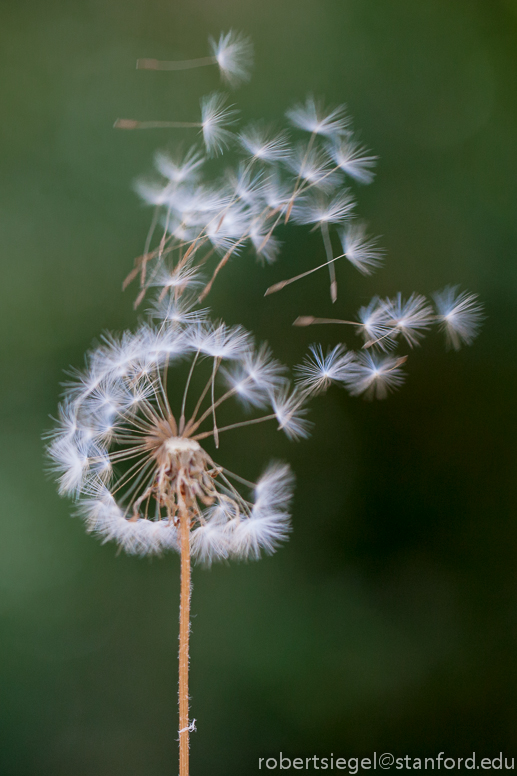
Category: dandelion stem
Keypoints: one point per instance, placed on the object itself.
(184, 726)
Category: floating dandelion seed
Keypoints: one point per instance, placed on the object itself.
(182, 169)
(313, 117)
(233, 53)
(459, 315)
(216, 116)
(310, 164)
(264, 144)
(319, 371)
(374, 376)
(360, 250)
(410, 319)
(352, 158)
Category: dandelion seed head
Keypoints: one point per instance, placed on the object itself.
(119, 450)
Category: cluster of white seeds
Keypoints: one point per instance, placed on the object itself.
(131, 460)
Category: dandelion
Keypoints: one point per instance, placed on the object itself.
(138, 469)
(132, 438)
(459, 316)
(233, 53)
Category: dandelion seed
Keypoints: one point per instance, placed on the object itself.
(373, 376)
(411, 319)
(360, 250)
(353, 159)
(310, 165)
(266, 246)
(215, 118)
(276, 193)
(176, 278)
(313, 117)
(179, 311)
(234, 55)
(375, 325)
(290, 412)
(183, 169)
(256, 377)
(318, 371)
(314, 208)
(459, 316)
(219, 341)
(245, 185)
(263, 144)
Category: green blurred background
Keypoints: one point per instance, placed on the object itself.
(389, 621)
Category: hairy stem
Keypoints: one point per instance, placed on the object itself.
(184, 516)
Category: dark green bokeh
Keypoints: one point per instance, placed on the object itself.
(389, 621)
